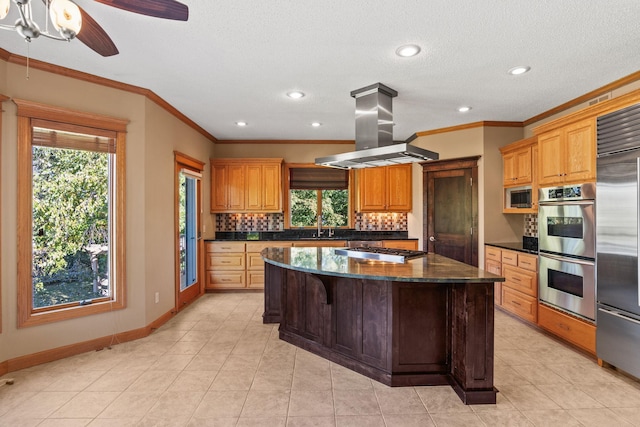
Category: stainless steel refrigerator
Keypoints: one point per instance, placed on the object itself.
(618, 239)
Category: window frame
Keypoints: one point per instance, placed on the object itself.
(2, 99)
(29, 112)
(287, 191)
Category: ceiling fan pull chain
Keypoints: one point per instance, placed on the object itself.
(28, 54)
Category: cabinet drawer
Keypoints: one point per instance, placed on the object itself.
(224, 247)
(493, 253)
(255, 279)
(492, 266)
(521, 305)
(230, 261)
(411, 245)
(521, 280)
(225, 279)
(510, 258)
(321, 243)
(576, 331)
(528, 262)
(259, 246)
(254, 261)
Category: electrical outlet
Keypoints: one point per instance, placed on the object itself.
(157, 297)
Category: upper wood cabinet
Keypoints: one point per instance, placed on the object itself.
(568, 154)
(246, 185)
(227, 187)
(264, 183)
(517, 167)
(385, 189)
(519, 161)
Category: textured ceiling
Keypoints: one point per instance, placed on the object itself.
(236, 60)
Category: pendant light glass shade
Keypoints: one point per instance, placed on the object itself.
(4, 8)
(66, 17)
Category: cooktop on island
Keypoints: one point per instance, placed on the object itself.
(381, 254)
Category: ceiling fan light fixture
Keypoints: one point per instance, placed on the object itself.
(4, 8)
(66, 18)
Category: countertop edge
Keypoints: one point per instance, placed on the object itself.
(489, 277)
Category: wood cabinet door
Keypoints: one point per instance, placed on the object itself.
(509, 169)
(271, 192)
(398, 187)
(580, 151)
(219, 188)
(523, 166)
(236, 185)
(253, 193)
(550, 154)
(372, 189)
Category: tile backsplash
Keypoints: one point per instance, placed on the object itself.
(275, 222)
(250, 222)
(531, 225)
(381, 221)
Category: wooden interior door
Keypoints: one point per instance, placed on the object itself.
(451, 209)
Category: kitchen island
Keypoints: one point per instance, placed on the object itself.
(428, 321)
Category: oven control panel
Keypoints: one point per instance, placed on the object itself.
(568, 192)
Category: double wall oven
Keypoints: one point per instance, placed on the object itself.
(566, 227)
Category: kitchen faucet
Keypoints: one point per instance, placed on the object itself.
(320, 226)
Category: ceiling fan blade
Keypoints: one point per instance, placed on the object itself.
(167, 9)
(94, 37)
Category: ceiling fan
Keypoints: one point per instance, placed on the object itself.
(68, 18)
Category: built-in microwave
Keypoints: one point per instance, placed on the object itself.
(517, 197)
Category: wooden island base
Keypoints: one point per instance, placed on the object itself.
(400, 333)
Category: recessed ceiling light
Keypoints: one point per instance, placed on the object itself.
(408, 50)
(521, 69)
(241, 123)
(296, 94)
(463, 109)
(316, 124)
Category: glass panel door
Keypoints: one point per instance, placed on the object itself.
(188, 222)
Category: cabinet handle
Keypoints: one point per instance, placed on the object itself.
(516, 303)
(225, 262)
(563, 326)
(516, 279)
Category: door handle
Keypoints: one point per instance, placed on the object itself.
(432, 239)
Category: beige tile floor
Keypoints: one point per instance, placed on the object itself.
(216, 364)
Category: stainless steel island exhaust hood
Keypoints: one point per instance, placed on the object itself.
(374, 134)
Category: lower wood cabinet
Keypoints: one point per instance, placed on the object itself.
(239, 265)
(518, 294)
(225, 265)
(567, 327)
(411, 245)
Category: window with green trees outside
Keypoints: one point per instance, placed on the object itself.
(318, 191)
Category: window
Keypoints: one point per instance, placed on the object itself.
(318, 191)
(71, 214)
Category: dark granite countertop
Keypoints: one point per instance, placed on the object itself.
(309, 234)
(514, 246)
(430, 268)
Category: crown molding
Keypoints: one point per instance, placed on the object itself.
(470, 126)
(285, 141)
(79, 75)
